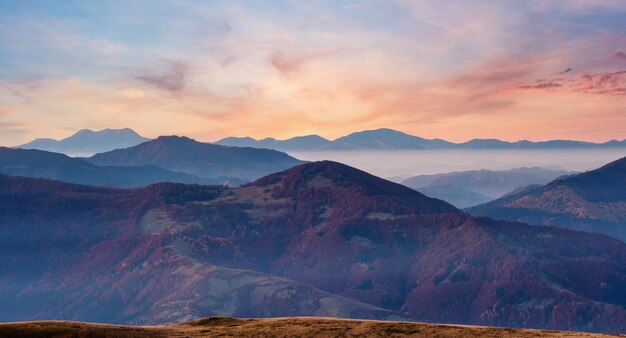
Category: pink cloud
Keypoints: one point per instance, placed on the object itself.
(601, 83)
(610, 83)
(541, 85)
(288, 63)
(620, 55)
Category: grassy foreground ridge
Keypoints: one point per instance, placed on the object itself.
(274, 327)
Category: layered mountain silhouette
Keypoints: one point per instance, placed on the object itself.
(205, 160)
(295, 143)
(318, 239)
(87, 142)
(469, 188)
(591, 201)
(43, 164)
(386, 139)
(389, 139)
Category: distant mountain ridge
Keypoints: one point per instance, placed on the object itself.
(86, 142)
(295, 143)
(165, 159)
(206, 160)
(469, 188)
(389, 139)
(591, 201)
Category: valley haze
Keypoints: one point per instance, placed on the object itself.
(386, 152)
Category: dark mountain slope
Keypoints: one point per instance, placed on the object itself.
(43, 164)
(87, 141)
(77, 252)
(604, 184)
(592, 201)
(201, 159)
(312, 236)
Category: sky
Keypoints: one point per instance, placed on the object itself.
(457, 70)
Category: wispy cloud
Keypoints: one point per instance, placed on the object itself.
(288, 63)
(171, 79)
(12, 91)
(541, 85)
(611, 83)
(601, 83)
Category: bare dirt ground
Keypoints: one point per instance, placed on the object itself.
(274, 327)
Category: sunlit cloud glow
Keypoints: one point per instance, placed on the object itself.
(455, 70)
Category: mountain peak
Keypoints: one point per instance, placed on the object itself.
(385, 138)
(380, 132)
(311, 170)
(316, 177)
(87, 142)
(83, 131)
(175, 138)
(207, 160)
(107, 131)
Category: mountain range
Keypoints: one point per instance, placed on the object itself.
(389, 139)
(86, 142)
(591, 201)
(320, 239)
(165, 159)
(469, 188)
(44, 164)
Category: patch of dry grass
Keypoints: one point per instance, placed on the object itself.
(64, 329)
(273, 327)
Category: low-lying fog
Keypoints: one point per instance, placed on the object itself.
(400, 164)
